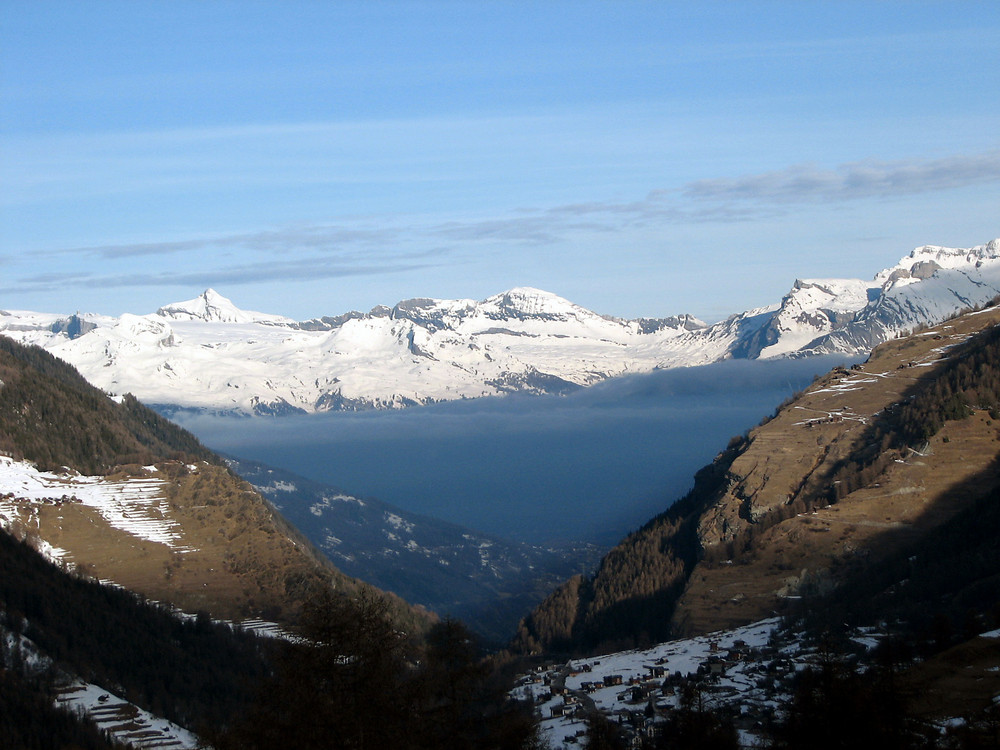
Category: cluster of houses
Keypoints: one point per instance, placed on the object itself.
(744, 681)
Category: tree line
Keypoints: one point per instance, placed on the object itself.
(51, 415)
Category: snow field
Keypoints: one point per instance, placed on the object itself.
(125, 721)
(136, 506)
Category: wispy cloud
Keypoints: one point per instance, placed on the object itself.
(311, 268)
(531, 229)
(297, 239)
(396, 244)
(807, 183)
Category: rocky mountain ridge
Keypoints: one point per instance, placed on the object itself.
(207, 354)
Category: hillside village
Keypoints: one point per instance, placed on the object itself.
(744, 673)
(746, 676)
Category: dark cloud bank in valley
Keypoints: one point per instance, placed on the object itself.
(586, 467)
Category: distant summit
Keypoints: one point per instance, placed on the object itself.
(207, 354)
(212, 307)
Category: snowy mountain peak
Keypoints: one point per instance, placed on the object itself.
(206, 353)
(212, 307)
(525, 302)
(923, 261)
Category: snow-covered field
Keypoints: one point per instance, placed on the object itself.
(136, 506)
(741, 671)
(124, 721)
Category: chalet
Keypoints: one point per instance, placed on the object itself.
(657, 671)
(713, 666)
(635, 694)
(612, 679)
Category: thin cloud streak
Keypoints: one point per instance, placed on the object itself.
(806, 183)
(282, 241)
(399, 243)
(256, 273)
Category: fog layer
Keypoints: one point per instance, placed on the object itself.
(586, 467)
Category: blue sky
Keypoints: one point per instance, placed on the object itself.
(640, 159)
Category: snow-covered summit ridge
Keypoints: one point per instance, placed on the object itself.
(924, 261)
(526, 302)
(212, 307)
(208, 354)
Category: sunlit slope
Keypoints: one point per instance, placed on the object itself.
(118, 492)
(862, 462)
(844, 476)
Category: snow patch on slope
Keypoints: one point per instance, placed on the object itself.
(136, 506)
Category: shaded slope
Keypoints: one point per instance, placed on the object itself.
(944, 584)
(30, 721)
(51, 415)
(192, 672)
(631, 598)
(485, 581)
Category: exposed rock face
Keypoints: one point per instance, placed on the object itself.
(74, 326)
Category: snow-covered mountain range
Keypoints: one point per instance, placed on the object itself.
(207, 354)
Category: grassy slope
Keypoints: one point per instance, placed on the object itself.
(248, 561)
(757, 526)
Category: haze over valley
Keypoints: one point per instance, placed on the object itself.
(587, 467)
(499, 376)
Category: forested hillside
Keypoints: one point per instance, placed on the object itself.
(194, 672)
(193, 534)
(370, 669)
(50, 415)
(236, 689)
(863, 464)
